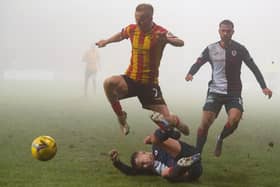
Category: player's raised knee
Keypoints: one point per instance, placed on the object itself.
(110, 82)
(234, 121)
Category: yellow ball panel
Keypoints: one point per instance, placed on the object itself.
(43, 148)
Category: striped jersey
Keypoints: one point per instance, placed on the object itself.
(226, 67)
(146, 53)
(162, 160)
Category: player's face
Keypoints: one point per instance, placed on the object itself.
(226, 31)
(143, 20)
(144, 160)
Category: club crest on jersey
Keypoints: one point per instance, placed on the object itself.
(155, 152)
(234, 52)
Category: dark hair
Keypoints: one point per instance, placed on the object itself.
(133, 160)
(136, 170)
(226, 22)
(147, 8)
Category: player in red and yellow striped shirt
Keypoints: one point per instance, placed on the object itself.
(148, 41)
(146, 53)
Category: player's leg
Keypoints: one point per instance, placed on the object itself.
(161, 138)
(234, 109)
(168, 121)
(234, 116)
(185, 155)
(115, 88)
(207, 120)
(86, 79)
(173, 147)
(151, 98)
(211, 110)
(94, 75)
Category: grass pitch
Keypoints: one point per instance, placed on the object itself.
(85, 130)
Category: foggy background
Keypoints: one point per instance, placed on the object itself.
(46, 39)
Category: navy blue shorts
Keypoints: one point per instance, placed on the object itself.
(215, 101)
(195, 171)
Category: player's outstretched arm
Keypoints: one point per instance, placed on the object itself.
(114, 155)
(124, 168)
(127, 170)
(167, 37)
(204, 57)
(174, 40)
(115, 38)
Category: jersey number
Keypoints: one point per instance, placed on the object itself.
(155, 91)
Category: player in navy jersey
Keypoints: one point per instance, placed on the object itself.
(170, 158)
(225, 57)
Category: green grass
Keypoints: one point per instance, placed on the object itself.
(86, 130)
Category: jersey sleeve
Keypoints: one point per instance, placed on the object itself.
(253, 67)
(128, 170)
(204, 57)
(162, 29)
(126, 31)
(124, 168)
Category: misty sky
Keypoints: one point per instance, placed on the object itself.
(54, 34)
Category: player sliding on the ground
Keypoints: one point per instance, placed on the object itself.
(170, 158)
(148, 41)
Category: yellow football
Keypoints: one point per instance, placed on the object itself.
(43, 148)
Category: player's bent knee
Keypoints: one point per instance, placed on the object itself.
(206, 123)
(106, 83)
(155, 140)
(110, 82)
(234, 121)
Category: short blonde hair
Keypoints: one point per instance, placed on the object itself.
(147, 8)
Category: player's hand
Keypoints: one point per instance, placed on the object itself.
(114, 155)
(101, 43)
(166, 172)
(267, 92)
(147, 140)
(189, 77)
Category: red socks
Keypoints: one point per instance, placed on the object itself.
(201, 132)
(117, 108)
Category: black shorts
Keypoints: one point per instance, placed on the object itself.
(215, 101)
(148, 94)
(186, 150)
